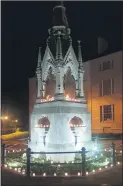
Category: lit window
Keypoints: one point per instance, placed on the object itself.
(106, 113)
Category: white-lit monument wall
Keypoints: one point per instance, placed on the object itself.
(59, 123)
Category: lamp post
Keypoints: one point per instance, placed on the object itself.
(16, 121)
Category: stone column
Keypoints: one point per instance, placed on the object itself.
(59, 83)
(80, 71)
(43, 89)
(77, 88)
(39, 91)
(81, 88)
(39, 75)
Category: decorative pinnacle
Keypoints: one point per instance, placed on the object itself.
(39, 61)
(59, 33)
(80, 54)
(79, 42)
(39, 56)
(47, 42)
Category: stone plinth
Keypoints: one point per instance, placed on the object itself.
(60, 137)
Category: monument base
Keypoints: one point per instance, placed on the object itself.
(59, 97)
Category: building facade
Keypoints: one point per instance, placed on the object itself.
(103, 89)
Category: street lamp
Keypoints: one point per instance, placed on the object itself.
(6, 117)
(16, 121)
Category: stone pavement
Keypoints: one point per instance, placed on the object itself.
(113, 177)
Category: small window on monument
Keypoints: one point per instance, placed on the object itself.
(44, 122)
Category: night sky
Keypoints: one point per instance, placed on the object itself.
(25, 28)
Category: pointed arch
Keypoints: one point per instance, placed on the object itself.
(71, 61)
(43, 122)
(50, 83)
(69, 84)
(76, 122)
(47, 63)
(47, 56)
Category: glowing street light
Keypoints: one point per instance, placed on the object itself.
(6, 117)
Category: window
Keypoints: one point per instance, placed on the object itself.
(106, 87)
(106, 113)
(106, 65)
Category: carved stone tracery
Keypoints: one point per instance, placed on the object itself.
(46, 70)
(72, 67)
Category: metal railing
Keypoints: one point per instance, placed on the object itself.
(80, 166)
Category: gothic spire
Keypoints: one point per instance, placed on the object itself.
(59, 18)
(59, 57)
(80, 55)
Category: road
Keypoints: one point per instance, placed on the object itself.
(16, 144)
(112, 177)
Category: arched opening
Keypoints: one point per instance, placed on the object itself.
(44, 122)
(69, 84)
(75, 122)
(50, 84)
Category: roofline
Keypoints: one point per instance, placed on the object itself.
(101, 57)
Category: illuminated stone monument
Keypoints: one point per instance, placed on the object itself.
(59, 123)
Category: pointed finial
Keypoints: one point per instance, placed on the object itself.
(79, 42)
(47, 42)
(59, 33)
(70, 40)
(59, 3)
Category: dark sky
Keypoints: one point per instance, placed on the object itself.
(25, 27)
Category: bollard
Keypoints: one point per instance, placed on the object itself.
(28, 154)
(83, 161)
(3, 154)
(113, 154)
